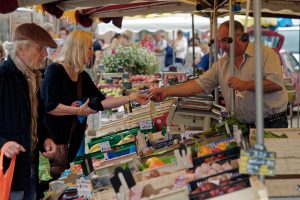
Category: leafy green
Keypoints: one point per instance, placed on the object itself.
(269, 134)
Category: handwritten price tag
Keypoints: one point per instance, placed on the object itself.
(105, 146)
(84, 187)
(145, 124)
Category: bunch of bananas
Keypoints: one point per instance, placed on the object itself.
(94, 148)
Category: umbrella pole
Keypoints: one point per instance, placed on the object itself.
(232, 66)
(210, 39)
(216, 45)
(173, 37)
(193, 36)
(258, 75)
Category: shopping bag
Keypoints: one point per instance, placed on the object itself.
(6, 179)
(44, 168)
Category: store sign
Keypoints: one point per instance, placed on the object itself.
(145, 124)
(257, 160)
(105, 146)
(84, 188)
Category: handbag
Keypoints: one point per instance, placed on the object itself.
(60, 161)
(6, 179)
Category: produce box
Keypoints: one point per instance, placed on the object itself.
(104, 195)
(108, 166)
(223, 156)
(286, 143)
(153, 189)
(169, 168)
(163, 180)
(218, 184)
(178, 194)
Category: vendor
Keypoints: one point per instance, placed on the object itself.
(275, 97)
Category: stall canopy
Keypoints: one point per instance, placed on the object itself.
(168, 23)
(106, 11)
(113, 10)
(269, 8)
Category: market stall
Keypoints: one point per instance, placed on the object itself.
(183, 148)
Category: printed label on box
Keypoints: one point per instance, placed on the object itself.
(257, 160)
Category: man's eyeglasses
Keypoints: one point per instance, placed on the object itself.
(226, 40)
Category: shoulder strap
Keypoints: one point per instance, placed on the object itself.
(79, 96)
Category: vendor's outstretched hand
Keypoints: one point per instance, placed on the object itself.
(157, 94)
(140, 98)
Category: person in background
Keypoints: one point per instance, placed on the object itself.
(2, 53)
(53, 53)
(125, 40)
(98, 52)
(243, 83)
(63, 33)
(180, 47)
(147, 42)
(160, 46)
(115, 42)
(59, 93)
(22, 132)
(189, 56)
(104, 45)
(169, 55)
(50, 29)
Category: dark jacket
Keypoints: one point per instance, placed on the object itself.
(15, 120)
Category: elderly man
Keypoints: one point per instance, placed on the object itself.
(21, 130)
(275, 95)
(160, 46)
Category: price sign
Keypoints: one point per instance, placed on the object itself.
(105, 146)
(84, 188)
(145, 124)
(163, 144)
(257, 160)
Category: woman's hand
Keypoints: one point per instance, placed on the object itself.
(50, 148)
(85, 110)
(140, 98)
(12, 148)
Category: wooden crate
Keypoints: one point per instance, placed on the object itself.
(257, 191)
(287, 170)
(278, 187)
(163, 181)
(178, 194)
(105, 195)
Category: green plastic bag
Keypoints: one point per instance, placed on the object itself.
(44, 168)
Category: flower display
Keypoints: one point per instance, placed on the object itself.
(135, 59)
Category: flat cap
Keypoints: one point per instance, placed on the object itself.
(31, 31)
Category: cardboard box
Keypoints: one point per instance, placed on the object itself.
(286, 182)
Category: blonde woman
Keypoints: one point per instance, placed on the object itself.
(59, 92)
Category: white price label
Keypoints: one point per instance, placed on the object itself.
(84, 188)
(145, 124)
(105, 146)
